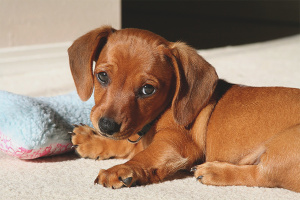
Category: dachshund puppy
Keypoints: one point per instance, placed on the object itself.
(163, 107)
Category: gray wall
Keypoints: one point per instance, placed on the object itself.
(31, 22)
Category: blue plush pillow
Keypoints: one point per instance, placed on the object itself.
(36, 127)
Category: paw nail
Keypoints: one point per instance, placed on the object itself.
(82, 124)
(74, 125)
(74, 146)
(126, 181)
(96, 181)
(193, 169)
(97, 158)
(72, 133)
(199, 177)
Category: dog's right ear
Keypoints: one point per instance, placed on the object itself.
(82, 53)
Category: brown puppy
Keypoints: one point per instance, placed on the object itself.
(168, 97)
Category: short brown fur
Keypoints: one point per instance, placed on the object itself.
(238, 135)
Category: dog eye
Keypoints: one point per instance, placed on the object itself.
(103, 77)
(148, 89)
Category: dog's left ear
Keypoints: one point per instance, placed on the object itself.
(196, 80)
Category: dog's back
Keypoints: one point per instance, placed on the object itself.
(245, 117)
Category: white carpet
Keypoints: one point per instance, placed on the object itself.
(44, 71)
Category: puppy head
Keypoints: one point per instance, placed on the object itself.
(137, 76)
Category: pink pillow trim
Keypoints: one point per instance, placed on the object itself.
(15, 150)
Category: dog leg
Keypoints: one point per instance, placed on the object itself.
(164, 156)
(224, 174)
(277, 165)
(89, 144)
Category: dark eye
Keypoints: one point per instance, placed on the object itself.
(103, 77)
(148, 90)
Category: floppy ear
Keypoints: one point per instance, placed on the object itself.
(196, 80)
(82, 53)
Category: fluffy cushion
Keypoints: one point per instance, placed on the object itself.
(36, 127)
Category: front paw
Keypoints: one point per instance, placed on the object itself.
(120, 176)
(87, 143)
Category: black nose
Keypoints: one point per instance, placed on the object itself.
(108, 126)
